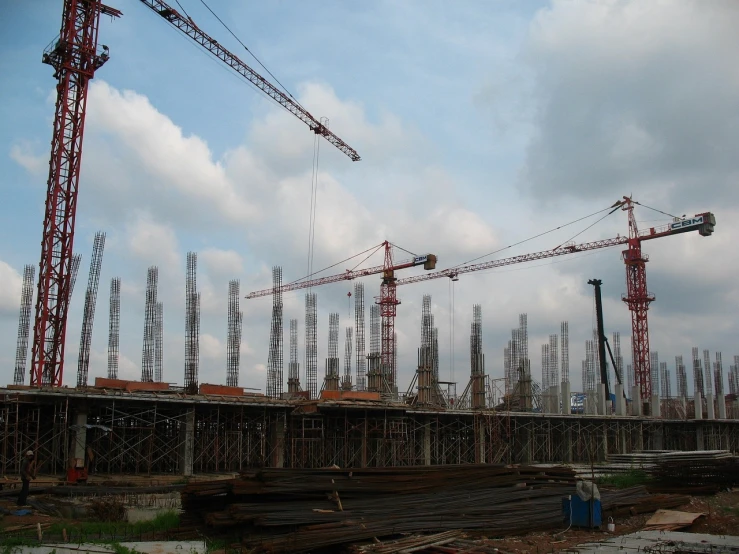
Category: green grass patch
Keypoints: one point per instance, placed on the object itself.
(631, 478)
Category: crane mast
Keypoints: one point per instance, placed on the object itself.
(188, 27)
(75, 58)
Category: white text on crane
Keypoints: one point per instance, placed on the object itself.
(690, 222)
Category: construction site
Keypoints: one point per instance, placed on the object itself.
(334, 434)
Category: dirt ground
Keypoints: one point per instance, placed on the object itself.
(722, 519)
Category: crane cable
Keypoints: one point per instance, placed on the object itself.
(245, 48)
(537, 236)
(313, 204)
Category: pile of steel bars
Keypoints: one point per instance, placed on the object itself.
(695, 475)
(296, 510)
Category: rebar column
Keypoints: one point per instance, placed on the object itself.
(359, 335)
(192, 324)
(346, 382)
(88, 315)
(311, 345)
(158, 342)
(275, 360)
(114, 327)
(233, 336)
(293, 368)
(331, 379)
(565, 340)
(24, 325)
(147, 353)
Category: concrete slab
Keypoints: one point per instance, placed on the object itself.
(146, 547)
(664, 542)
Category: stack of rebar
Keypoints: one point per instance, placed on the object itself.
(294, 510)
(696, 475)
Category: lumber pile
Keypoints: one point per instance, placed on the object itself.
(297, 510)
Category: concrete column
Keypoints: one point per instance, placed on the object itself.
(655, 406)
(566, 400)
(700, 443)
(684, 405)
(721, 402)
(710, 408)
(636, 401)
(427, 443)
(603, 443)
(620, 405)
(602, 400)
(698, 407)
(277, 437)
(187, 443)
(480, 440)
(79, 440)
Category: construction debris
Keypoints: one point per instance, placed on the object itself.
(671, 520)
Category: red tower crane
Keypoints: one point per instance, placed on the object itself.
(75, 58)
(388, 299)
(637, 297)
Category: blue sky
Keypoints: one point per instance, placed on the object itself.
(480, 124)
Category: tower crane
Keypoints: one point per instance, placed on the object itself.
(388, 300)
(75, 57)
(637, 297)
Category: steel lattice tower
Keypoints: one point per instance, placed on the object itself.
(24, 325)
(565, 340)
(158, 341)
(75, 58)
(346, 382)
(114, 327)
(311, 344)
(233, 335)
(88, 316)
(293, 368)
(275, 360)
(638, 299)
(147, 354)
(359, 334)
(192, 324)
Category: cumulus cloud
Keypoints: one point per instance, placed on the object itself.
(23, 154)
(634, 97)
(11, 283)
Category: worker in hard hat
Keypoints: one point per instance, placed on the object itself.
(28, 472)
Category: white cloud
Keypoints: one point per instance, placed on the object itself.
(22, 154)
(11, 283)
(223, 263)
(151, 242)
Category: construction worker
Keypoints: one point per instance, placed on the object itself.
(28, 472)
